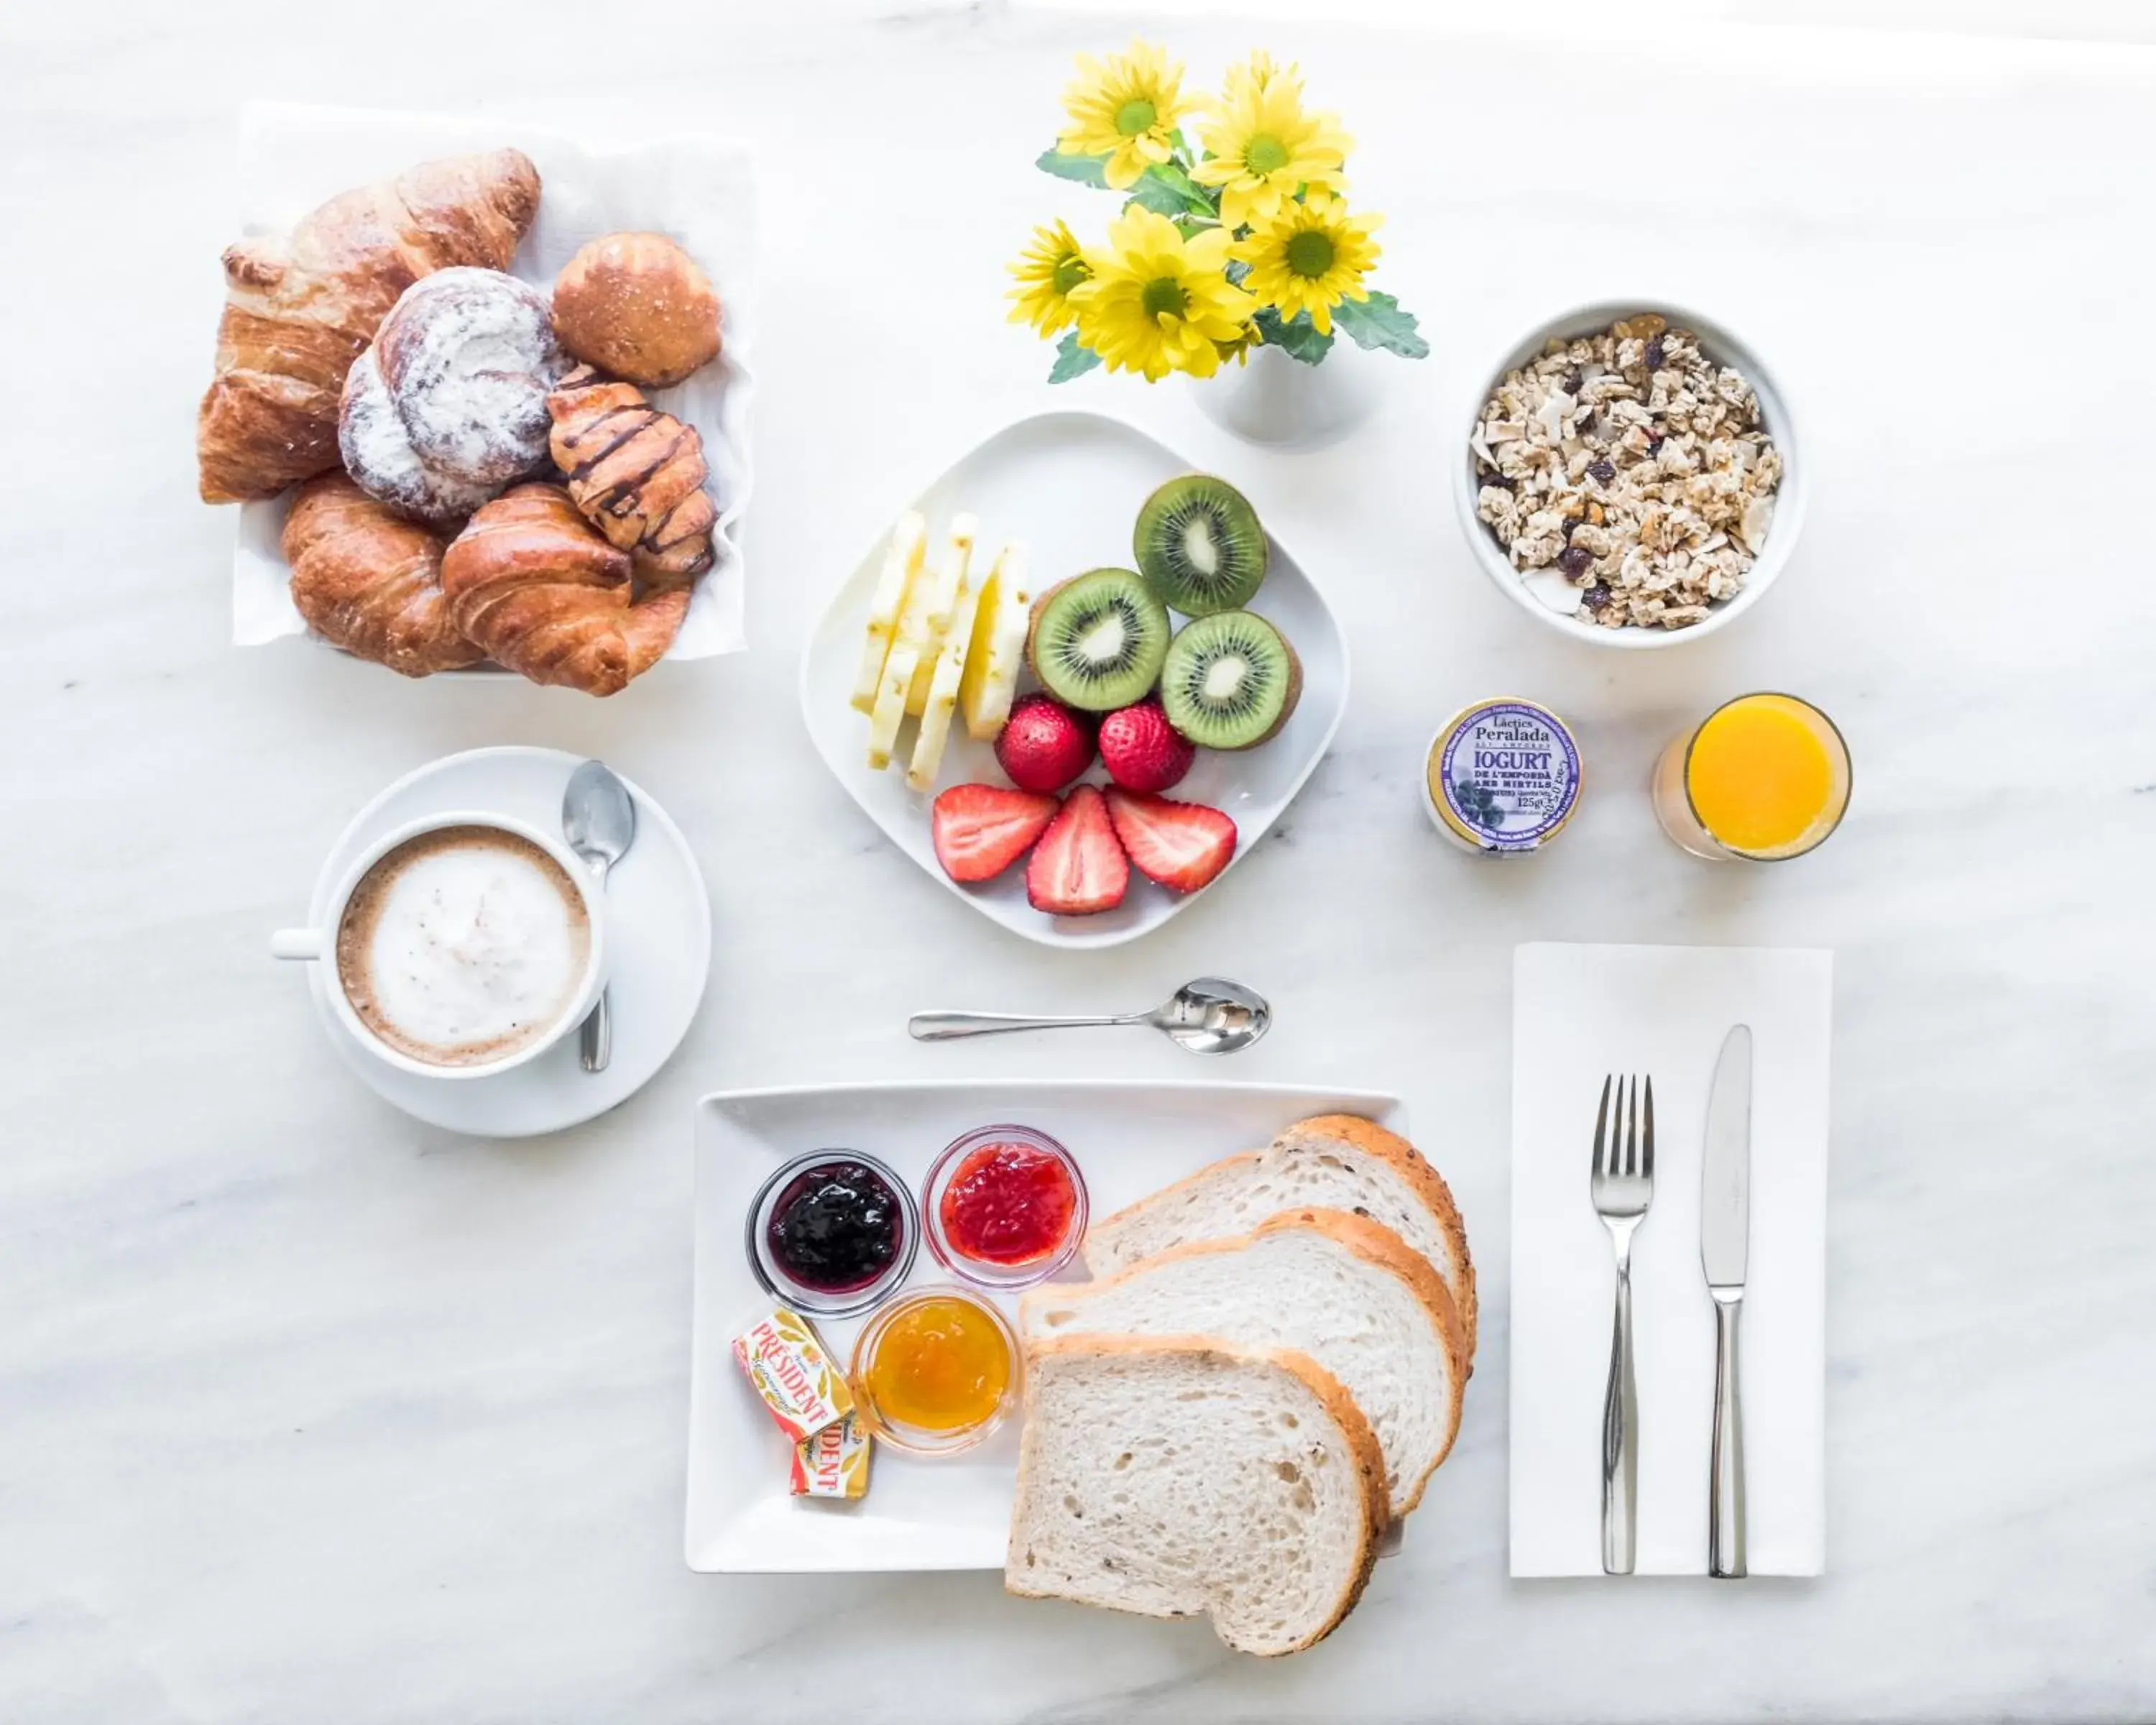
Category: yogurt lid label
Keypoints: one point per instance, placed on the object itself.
(1507, 774)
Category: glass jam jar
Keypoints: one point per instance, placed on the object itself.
(832, 1231)
(936, 1371)
(1003, 1207)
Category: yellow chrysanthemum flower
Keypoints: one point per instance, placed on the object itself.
(1046, 271)
(1125, 109)
(1310, 257)
(1254, 74)
(1157, 302)
(1265, 147)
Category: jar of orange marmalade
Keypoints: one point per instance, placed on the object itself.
(936, 1371)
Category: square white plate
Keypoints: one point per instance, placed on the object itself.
(1129, 1139)
(1071, 486)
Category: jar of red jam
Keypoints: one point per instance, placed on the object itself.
(1003, 1207)
(832, 1232)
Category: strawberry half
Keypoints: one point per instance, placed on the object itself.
(981, 829)
(1183, 845)
(1078, 868)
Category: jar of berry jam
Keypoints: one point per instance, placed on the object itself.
(1003, 1207)
(832, 1232)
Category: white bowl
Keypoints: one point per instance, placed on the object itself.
(1718, 344)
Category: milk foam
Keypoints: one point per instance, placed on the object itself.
(463, 946)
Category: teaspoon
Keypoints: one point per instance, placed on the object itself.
(598, 819)
(1211, 1015)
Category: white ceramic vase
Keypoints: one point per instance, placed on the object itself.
(1281, 402)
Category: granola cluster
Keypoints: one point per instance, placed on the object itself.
(1631, 465)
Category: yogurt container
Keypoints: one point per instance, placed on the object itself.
(1501, 777)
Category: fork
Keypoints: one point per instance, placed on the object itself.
(1622, 1187)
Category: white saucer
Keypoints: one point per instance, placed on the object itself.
(659, 933)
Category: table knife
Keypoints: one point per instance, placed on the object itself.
(1725, 1228)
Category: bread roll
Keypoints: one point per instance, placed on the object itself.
(637, 306)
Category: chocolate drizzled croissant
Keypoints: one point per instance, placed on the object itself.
(637, 473)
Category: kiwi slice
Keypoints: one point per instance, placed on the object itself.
(1199, 546)
(1231, 680)
(1097, 640)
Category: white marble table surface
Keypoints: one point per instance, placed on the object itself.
(308, 1413)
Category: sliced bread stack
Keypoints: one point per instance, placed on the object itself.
(1259, 1336)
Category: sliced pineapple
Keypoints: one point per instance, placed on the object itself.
(943, 694)
(997, 648)
(953, 581)
(929, 601)
(901, 563)
(889, 712)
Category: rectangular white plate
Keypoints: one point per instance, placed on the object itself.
(1070, 484)
(1129, 1139)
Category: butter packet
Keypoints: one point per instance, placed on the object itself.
(833, 1462)
(787, 1365)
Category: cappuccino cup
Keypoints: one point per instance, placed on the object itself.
(459, 946)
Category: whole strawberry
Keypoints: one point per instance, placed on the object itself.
(1044, 745)
(1141, 751)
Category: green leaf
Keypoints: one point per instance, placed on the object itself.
(1158, 195)
(1296, 337)
(1071, 360)
(1379, 322)
(1086, 170)
(1165, 188)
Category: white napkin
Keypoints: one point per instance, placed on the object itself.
(1578, 1013)
(700, 191)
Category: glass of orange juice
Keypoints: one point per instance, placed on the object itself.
(1762, 778)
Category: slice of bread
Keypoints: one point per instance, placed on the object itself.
(1346, 1291)
(1173, 1476)
(1338, 1162)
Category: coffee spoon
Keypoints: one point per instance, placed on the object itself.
(1211, 1015)
(598, 819)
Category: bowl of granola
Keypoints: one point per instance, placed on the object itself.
(1631, 476)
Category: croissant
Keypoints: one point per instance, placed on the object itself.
(370, 581)
(530, 580)
(638, 473)
(299, 311)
